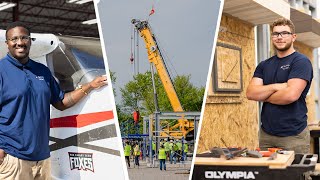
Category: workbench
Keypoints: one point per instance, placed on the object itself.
(315, 134)
(285, 167)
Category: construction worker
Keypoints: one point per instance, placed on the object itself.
(161, 142)
(153, 148)
(136, 152)
(185, 150)
(167, 148)
(174, 152)
(179, 150)
(162, 157)
(127, 152)
(171, 150)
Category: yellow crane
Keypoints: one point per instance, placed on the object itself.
(155, 57)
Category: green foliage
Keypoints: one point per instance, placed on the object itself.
(113, 77)
(126, 122)
(113, 81)
(138, 93)
(190, 96)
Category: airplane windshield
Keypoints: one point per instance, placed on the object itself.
(72, 67)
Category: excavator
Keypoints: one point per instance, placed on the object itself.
(183, 126)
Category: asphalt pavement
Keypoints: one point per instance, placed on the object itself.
(179, 171)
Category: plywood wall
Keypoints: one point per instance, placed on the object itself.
(308, 51)
(229, 118)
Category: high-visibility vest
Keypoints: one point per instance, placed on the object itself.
(175, 147)
(171, 147)
(127, 150)
(153, 146)
(136, 150)
(166, 146)
(179, 145)
(162, 154)
(185, 148)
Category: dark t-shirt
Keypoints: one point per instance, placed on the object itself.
(291, 119)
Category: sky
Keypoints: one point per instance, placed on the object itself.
(185, 30)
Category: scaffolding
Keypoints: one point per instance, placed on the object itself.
(156, 125)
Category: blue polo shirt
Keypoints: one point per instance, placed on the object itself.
(291, 119)
(26, 92)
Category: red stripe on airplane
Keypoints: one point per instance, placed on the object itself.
(81, 120)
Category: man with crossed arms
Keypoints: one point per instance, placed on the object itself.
(282, 83)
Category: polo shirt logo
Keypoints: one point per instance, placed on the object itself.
(41, 78)
(284, 67)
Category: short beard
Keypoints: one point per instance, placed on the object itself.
(19, 58)
(285, 48)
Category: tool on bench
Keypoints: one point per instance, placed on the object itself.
(273, 156)
(272, 153)
(265, 153)
(274, 149)
(228, 153)
(278, 150)
(254, 154)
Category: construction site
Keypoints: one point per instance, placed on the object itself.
(164, 132)
(73, 53)
(174, 132)
(232, 122)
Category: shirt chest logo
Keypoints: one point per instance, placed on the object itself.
(285, 67)
(40, 78)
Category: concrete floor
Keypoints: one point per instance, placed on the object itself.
(174, 172)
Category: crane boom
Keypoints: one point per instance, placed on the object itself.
(155, 57)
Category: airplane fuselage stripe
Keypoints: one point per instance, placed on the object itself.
(81, 120)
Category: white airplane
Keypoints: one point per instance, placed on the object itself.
(84, 140)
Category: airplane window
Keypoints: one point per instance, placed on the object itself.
(72, 67)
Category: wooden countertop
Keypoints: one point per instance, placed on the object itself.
(313, 127)
(281, 162)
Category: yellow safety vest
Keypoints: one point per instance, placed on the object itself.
(162, 154)
(171, 146)
(153, 146)
(179, 144)
(185, 148)
(166, 146)
(136, 150)
(127, 150)
(175, 147)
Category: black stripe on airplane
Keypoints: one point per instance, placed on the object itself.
(81, 139)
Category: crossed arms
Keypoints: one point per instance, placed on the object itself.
(278, 93)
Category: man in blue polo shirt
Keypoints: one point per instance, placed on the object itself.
(282, 83)
(27, 89)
